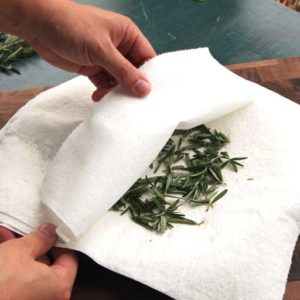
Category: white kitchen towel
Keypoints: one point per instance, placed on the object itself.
(110, 150)
(242, 251)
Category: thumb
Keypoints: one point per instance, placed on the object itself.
(40, 240)
(126, 74)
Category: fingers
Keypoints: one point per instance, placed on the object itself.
(141, 50)
(121, 64)
(65, 264)
(136, 45)
(100, 93)
(6, 234)
(89, 70)
(125, 73)
(44, 260)
(40, 240)
(103, 80)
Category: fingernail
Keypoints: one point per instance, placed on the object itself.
(142, 87)
(48, 229)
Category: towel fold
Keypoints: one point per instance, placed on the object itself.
(82, 157)
(114, 145)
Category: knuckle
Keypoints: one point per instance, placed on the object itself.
(126, 70)
(42, 238)
(65, 293)
(131, 28)
(94, 51)
(128, 20)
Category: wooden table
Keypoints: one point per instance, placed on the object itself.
(95, 282)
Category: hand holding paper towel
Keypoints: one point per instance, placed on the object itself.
(123, 134)
(247, 240)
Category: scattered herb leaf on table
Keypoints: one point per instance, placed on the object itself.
(13, 48)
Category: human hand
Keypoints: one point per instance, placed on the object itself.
(105, 46)
(24, 275)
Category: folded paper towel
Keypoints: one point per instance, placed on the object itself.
(242, 251)
(110, 150)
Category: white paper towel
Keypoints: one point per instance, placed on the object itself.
(243, 251)
(110, 150)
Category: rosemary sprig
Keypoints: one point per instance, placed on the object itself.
(192, 173)
(13, 48)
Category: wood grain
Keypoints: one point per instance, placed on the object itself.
(12, 101)
(279, 75)
(95, 282)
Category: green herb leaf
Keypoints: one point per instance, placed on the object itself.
(218, 197)
(13, 48)
(195, 180)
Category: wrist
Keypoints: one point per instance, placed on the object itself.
(27, 19)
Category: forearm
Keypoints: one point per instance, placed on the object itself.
(26, 18)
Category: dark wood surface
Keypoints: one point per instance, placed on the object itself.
(95, 282)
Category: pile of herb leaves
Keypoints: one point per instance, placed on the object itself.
(13, 48)
(192, 172)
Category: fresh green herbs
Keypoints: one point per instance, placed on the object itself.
(191, 172)
(13, 48)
